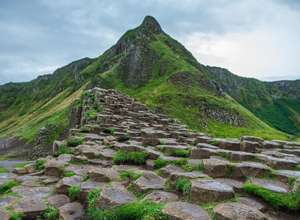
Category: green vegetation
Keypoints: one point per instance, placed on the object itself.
(16, 216)
(130, 157)
(7, 186)
(288, 201)
(130, 175)
(159, 163)
(91, 114)
(298, 167)
(181, 153)
(22, 165)
(184, 186)
(64, 150)
(69, 173)
(40, 164)
(52, 213)
(74, 192)
(3, 170)
(74, 141)
(140, 210)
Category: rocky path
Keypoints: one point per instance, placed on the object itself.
(132, 154)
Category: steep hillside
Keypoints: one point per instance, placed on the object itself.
(147, 64)
(276, 103)
(26, 107)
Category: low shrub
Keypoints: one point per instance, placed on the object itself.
(91, 114)
(74, 192)
(63, 150)
(290, 201)
(52, 213)
(127, 157)
(3, 170)
(7, 186)
(74, 141)
(40, 164)
(184, 186)
(16, 216)
(69, 173)
(181, 153)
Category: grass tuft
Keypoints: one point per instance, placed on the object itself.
(74, 192)
(52, 213)
(40, 164)
(7, 186)
(74, 141)
(127, 157)
(288, 201)
(184, 186)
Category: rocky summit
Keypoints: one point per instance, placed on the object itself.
(124, 161)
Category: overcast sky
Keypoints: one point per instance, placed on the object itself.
(250, 38)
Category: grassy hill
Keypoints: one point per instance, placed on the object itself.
(149, 65)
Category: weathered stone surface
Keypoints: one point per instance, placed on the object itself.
(249, 146)
(161, 197)
(204, 190)
(202, 151)
(104, 174)
(149, 181)
(185, 211)
(271, 144)
(30, 207)
(71, 211)
(235, 184)
(58, 200)
(252, 203)
(246, 169)
(233, 211)
(252, 138)
(272, 185)
(63, 185)
(4, 215)
(32, 192)
(169, 169)
(187, 175)
(227, 144)
(54, 168)
(216, 167)
(114, 196)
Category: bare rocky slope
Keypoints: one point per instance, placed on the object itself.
(123, 161)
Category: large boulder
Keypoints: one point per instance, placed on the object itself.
(30, 207)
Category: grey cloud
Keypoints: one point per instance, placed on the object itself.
(39, 35)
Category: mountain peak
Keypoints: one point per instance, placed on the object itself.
(151, 25)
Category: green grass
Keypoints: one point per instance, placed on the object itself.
(16, 216)
(130, 175)
(69, 173)
(22, 165)
(181, 153)
(184, 186)
(74, 192)
(74, 141)
(52, 213)
(287, 201)
(40, 164)
(7, 186)
(160, 163)
(91, 114)
(128, 157)
(64, 150)
(3, 170)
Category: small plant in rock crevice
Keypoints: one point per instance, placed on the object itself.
(74, 141)
(184, 186)
(52, 213)
(128, 157)
(74, 192)
(40, 164)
